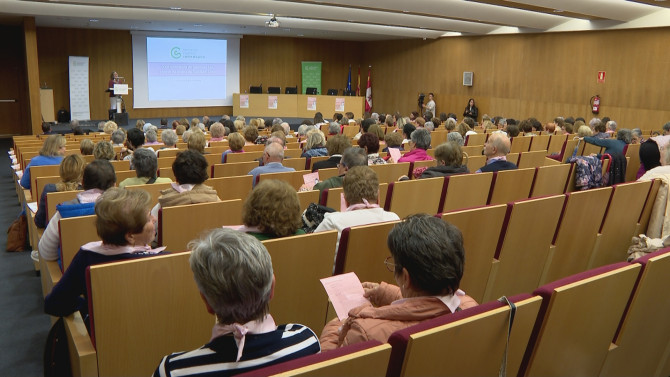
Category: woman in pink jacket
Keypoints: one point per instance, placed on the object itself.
(427, 259)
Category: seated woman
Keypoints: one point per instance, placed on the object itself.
(235, 143)
(104, 151)
(98, 176)
(152, 136)
(427, 260)
(233, 272)
(51, 154)
(218, 132)
(361, 192)
(272, 210)
(169, 138)
(250, 134)
(370, 142)
(418, 144)
(197, 142)
(623, 137)
(190, 171)
(650, 157)
(449, 158)
(125, 227)
(315, 145)
(146, 165)
(70, 171)
(661, 170)
(86, 147)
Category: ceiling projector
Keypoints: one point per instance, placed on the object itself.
(272, 23)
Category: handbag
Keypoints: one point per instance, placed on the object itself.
(17, 234)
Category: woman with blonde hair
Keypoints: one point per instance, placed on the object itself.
(104, 151)
(235, 144)
(315, 145)
(272, 210)
(110, 127)
(51, 154)
(86, 147)
(71, 170)
(197, 142)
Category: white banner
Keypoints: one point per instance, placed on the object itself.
(80, 108)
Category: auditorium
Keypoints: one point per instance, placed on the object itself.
(337, 187)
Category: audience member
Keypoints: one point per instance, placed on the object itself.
(418, 144)
(86, 147)
(235, 145)
(190, 171)
(51, 153)
(197, 142)
(272, 162)
(351, 157)
(650, 158)
(98, 176)
(104, 151)
(449, 158)
(427, 260)
(623, 137)
(233, 272)
(315, 145)
(272, 210)
(370, 143)
(118, 138)
(146, 167)
(361, 193)
(125, 227)
(496, 149)
(335, 146)
(392, 140)
(71, 170)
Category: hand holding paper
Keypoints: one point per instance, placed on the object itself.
(345, 292)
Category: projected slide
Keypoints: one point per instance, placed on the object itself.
(184, 69)
(180, 68)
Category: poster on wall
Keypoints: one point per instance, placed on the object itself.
(244, 101)
(80, 107)
(311, 76)
(311, 103)
(339, 104)
(272, 102)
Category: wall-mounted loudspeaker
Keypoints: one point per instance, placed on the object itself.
(467, 78)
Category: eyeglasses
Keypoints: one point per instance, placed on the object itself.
(341, 165)
(388, 262)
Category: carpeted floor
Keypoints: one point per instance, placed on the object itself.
(23, 324)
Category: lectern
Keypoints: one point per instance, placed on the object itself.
(120, 117)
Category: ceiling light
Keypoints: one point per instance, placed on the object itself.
(273, 22)
(175, 8)
(93, 20)
(198, 25)
(558, 11)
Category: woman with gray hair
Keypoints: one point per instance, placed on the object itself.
(233, 272)
(623, 137)
(418, 144)
(151, 136)
(455, 137)
(118, 138)
(146, 165)
(427, 259)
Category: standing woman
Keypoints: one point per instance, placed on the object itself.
(471, 111)
(113, 79)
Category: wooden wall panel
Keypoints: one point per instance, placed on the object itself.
(14, 115)
(32, 74)
(523, 75)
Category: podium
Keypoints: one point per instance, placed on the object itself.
(119, 116)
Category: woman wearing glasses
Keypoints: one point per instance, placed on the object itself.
(427, 259)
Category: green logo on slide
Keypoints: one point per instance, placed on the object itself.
(175, 52)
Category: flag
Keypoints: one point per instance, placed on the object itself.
(358, 87)
(349, 80)
(368, 92)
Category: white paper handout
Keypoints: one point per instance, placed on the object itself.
(345, 292)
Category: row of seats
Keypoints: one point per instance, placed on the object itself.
(605, 321)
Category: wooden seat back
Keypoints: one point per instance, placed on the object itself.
(292, 153)
(166, 162)
(120, 165)
(40, 182)
(539, 143)
(643, 222)
(415, 196)
(327, 173)
(633, 151)
(56, 198)
(438, 137)
(568, 148)
(576, 233)
(363, 249)
(228, 188)
(590, 149)
(511, 185)
(254, 148)
(333, 197)
(167, 173)
(481, 228)
(154, 189)
(476, 337)
(125, 174)
(313, 160)
(175, 233)
(293, 178)
(388, 173)
(466, 191)
(420, 164)
(521, 144)
(475, 139)
(297, 285)
(163, 153)
(475, 162)
(243, 157)
(231, 169)
(556, 144)
(550, 180)
(74, 233)
(41, 171)
(295, 163)
(532, 159)
(524, 249)
(601, 296)
(638, 347)
(143, 310)
(307, 197)
(620, 223)
(362, 359)
(473, 150)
